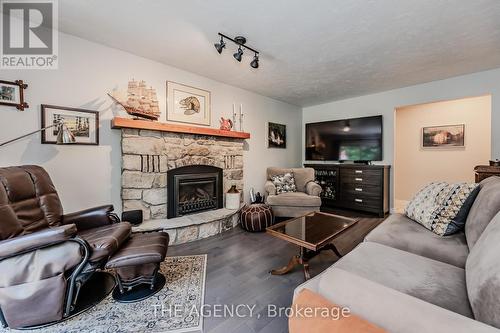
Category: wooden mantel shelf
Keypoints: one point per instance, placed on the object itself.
(119, 122)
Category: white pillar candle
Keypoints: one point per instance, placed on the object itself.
(234, 116)
(241, 117)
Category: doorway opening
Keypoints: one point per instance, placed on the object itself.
(439, 141)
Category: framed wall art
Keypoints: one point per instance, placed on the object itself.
(187, 104)
(12, 94)
(84, 124)
(276, 135)
(443, 137)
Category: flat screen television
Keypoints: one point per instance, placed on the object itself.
(357, 139)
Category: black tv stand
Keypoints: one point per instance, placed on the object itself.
(354, 186)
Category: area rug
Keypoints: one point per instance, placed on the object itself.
(173, 309)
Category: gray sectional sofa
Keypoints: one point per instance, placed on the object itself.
(405, 278)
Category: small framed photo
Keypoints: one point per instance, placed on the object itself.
(12, 94)
(187, 104)
(276, 135)
(84, 124)
(443, 137)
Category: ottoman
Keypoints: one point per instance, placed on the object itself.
(136, 266)
(256, 217)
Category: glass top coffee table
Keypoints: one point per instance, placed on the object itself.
(313, 233)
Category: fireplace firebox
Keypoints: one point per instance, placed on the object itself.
(193, 189)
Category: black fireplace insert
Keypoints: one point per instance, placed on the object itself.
(193, 189)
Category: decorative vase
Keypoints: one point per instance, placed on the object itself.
(233, 198)
(225, 124)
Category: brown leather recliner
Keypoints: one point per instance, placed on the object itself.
(46, 257)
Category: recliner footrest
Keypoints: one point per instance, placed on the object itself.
(138, 261)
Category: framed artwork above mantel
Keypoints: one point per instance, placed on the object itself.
(186, 104)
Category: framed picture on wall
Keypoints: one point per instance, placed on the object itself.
(443, 137)
(187, 104)
(84, 124)
(12, 94)
(276, 135)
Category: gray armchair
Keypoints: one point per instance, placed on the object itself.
(293, 204)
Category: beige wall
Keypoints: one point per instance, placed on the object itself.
(414, 167)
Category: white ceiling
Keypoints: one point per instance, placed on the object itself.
(311, 51)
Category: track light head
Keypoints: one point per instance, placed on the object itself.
(220, 46)
(238, 54)
(255, 61)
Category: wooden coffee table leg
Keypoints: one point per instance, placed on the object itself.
(296, 260)
(305, 265)
(302, 259)
(332, 247)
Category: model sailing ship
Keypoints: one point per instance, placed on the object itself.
(140, 101)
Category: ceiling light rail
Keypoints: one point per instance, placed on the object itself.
(240, 41)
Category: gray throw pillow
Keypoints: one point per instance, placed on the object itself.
(438, 204)
(284, 183)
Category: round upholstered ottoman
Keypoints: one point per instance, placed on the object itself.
(256, 217)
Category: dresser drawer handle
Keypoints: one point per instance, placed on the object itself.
(358, 171)
(358, 189)
(358, 179)
(358, 200)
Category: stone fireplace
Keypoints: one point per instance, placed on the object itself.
(192, 189)
(161, 170)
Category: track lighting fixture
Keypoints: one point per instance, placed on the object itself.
(255, 61)
(240, 41)
(238, 54)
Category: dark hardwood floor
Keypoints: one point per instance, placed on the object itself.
(238, 265)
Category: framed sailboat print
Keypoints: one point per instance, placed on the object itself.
(84, 124)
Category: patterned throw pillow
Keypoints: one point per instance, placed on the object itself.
(437, 206)
(284, 183)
